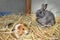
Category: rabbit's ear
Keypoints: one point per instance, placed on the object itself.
(44, 6)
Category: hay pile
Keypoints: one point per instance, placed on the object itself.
(36, 31)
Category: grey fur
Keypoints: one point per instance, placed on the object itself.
(45, 17)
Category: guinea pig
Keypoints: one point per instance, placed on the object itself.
(9, 25)
(21, 29)
(45, 17)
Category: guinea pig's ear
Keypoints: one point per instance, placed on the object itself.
(16, 27)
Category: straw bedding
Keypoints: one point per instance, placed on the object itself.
(36, 31)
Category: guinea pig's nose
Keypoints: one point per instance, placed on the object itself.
(26, 32)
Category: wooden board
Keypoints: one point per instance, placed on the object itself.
(28, 6)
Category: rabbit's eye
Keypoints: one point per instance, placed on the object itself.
(40, 12)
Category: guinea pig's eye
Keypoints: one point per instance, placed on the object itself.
(23, 28)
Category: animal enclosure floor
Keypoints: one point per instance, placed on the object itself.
(36, 31)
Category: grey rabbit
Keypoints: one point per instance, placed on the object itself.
(45, 17)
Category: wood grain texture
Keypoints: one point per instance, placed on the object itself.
(28, 6)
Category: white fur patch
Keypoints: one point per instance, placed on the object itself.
(16, 27)
(26, 31)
